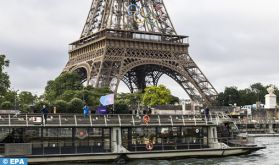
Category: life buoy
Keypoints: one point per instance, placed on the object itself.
(146, 119)
(81, 134)
(149, 146)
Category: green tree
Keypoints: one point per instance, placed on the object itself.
(247, 97)
(7, 105)
(68, 95)
(229, 97)
(25, 108)
(26, 98)
(61, 106)
(174, 100)
(154, 95)
(66, 81)
(76, 105)
(121, 108)
(39, 105)
(260, 91)
(12, 97)
(4, 77)
(130, 99)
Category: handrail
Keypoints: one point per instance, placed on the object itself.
(171, 121)
(133, 119)
(60, 124)
(101, 120)
(9, 120)
(183, 120)
(119, 120)
(159, 120)
(105, 119)
(123, 34)
(195, 120)
(26, 120)
(75, 120)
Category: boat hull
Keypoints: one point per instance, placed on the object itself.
(106, 157)
(174, 154)
(204, 153)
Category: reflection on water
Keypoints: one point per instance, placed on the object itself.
(268, 156)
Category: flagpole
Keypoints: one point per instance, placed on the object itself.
(113, 108)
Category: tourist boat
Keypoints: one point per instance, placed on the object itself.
(96, 138)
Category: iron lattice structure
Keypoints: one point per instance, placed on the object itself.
(134, 41)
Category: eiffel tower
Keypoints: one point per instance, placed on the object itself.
(134, 41)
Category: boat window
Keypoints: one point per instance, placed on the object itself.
(125, 138)
(143, 135)
(194, 135)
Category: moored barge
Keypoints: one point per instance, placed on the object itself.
(96, 138)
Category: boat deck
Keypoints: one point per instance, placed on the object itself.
(74, 120)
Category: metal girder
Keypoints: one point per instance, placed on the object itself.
(143, 15)
(135, 42)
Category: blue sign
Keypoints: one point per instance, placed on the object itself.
(13, 161)
(102, 110)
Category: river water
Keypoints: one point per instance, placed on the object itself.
(268, 156)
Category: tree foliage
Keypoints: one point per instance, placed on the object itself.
(126, 102)
(68, 86)
(26, 98)
(248, 96)
(61, 106)
(75, 106)
(39, 105)
(154, 95)
(4, 77)
(6, 105)
(25, 108)
(56, 88)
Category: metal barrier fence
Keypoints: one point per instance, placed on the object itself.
(108, 120)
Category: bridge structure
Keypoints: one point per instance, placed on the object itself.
(134, 41)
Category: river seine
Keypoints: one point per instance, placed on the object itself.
(268, 156)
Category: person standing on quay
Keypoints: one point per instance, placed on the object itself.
(45, 113)
(206, 112)
(85, 110)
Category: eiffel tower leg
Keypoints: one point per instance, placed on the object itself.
(139, 78)
(83, 69)
(190, 78)
(105, 74)
(128, 80)
(153, 78)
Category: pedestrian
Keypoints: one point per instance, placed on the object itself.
(206, 112)
(149, 111)
(144, 111)
(44, 111)
(85, 110)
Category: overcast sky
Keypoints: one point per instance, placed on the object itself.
(234, 42)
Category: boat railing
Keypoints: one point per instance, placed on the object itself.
(78, 120)
(253, 121)
(103, 146)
